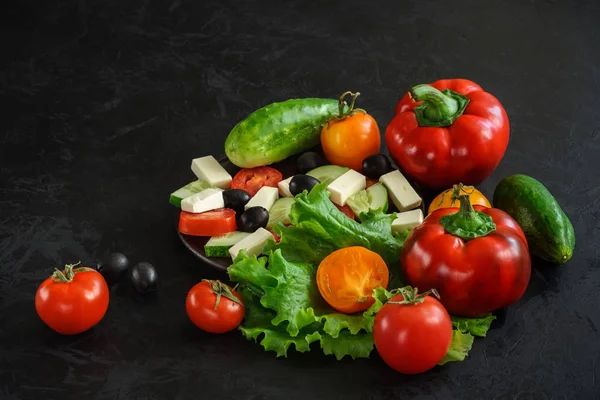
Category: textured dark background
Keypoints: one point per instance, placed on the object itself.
(104, 103)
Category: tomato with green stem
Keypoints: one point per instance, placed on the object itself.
(412, 332)
(72, 301)
(214, 306)
(351, 136)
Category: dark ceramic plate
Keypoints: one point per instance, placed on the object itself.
(195, 244)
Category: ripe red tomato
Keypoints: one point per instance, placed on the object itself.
(346, 210)
(351, 137)
(413, 337)
(210, 223)
(214, 307)
(252, 179)
(347, 277)
(72, 301)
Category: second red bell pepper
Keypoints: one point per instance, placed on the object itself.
(476, 257)
(448, 132)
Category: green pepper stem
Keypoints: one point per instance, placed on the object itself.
(438, 108)
(467, 223)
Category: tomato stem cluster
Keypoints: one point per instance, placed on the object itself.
(68, 274)
(411, 295)
(351, 110)
(220, 289)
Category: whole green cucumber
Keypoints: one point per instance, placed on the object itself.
(549, 231)
(279, 130)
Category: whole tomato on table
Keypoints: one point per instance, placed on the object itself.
(351, 136)
(214, 307)
(447, 132)
(72, 301)
(476, 257)
(412, 332)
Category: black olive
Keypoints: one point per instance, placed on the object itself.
(236, 199)
(376, 165)
(144, 277)
(253, 218)
(309, 161)
(300, 183)
(113, 267)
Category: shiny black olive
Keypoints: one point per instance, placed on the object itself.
(253, 218)
(113, 267)
(309, 161)
(300, 182)
(236, 199)
(144, 277)
(376, 165)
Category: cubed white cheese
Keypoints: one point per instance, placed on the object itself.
(346, 185)
(206, 200)
(407, 220)
(284, 187)
(253, 244)
(209, 169)
(265, 197)
(403, 195)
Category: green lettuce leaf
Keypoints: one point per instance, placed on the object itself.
(474, 326)
(290, 290)
(459, 348)
(319, 228)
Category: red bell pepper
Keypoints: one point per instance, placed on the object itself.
(476, 257)
(448, 132)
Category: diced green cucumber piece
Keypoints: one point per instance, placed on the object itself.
(218, 246)
(372, 198)
(280, 212)
(188, 190)
(327, 173)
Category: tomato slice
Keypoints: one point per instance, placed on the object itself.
(210, 223)
(252, 179)
(371, 182)
(346, 210)
(275, 235)
(347, 277)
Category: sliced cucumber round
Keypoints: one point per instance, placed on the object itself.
(373, 198)
(327, 173)
(280, 212)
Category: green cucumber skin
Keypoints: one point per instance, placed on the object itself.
(279, 130)
(549, 231)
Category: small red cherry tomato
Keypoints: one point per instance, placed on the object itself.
(72, 301)
(214, 307)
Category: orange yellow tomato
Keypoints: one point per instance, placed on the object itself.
(347, 277)
(350, 137)
(449, 198)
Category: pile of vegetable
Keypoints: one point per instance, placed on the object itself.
(339, 256)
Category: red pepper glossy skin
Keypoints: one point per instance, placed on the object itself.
(467, 151)
(473, 277)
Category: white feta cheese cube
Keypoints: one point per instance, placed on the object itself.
(209, 169)
(206, 200)
(407, 220)
(346, 185)
(265, 197)
(284, 187)
(253, 244)
(402, 193)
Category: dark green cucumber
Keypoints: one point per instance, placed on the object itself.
(279, 130)
(549, 231)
